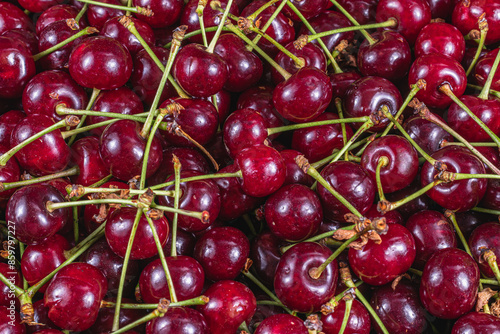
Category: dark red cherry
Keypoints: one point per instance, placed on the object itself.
(98, 15)
(367, 95)
(230, 303)
(281, 324)
(9, 173)
(265, 254)
(104, 322)
(27, 37)
(352, 182)
(40, 316)
(429, 136)
(379, 264)
(341, 83)
(117, 31)
(437, 70)
(391, 217)
(469, 220)
(293, 283)
(38, 6)
(358, 323)
(18, 70)
(88, 68)
(74, 296)
(263, 170)
(308, 9)
(184, 243)
(244, 67)
(244, 128)
(459, 195)
(7, 297)
(199, 72)
(304, 96)
(466, 15)
(33, 221)
(48, 89)
(431, 232)
(186, 273)
(294, 212)
(293, 173)
(122, 150)
(13, 17)
(476, 323)
(402, 165)
(483, 69)
(484, 237)
(222, 252)
(448, 288)
(362, 10)
(119, 227)
(223, 103)
(179, 320)
(411, 15)
(166, 12)
(442, 8)
(389, 57)
(442, 38)
(58, 13)
(399, 308)
(10, 322)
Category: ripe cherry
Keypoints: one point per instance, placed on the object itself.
(114, 29)
(58, 13)
(244, 128)
(484, 238)
(466, 15)
(281, 324)
(15, 74)
(98, 15)
(429, 136)
(179, 320)
(13, 17)
(166, 12)
(358, 323)
(442, 38)
(476, 322)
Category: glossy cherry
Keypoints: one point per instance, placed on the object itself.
(14, 74)
(27, 37)
(442, 38)
(391, 217)
(484, 238)
(166, 12)
(429, 136)
(465, 17)
(265, 254)
(58, 13)
(98, 15)
(244, 128)
(362, 10)
(308, 9)
(476, 323)
(9, 173)
(7, 297)
(483, 69)
(38, 6)
(41, 316)
(341, 83)
(179, 320)
(281, 324)
(293, 173)
(10, 323)
(117, 31)
(358, 323)
(13, 17)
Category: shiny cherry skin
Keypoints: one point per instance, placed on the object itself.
(40, 316)
(482, 238)
(200, 195)
(281, 324)
(122, 150)
(38, 6)
(304, 96)
(442, 8)
(411, 16)
(436, 70)
(27, 210)
(224, 104)
(8, 122)
(402, 167)
(187, 277)
(11, 323)
(469, 220)
(293, 173)
(379, 264)
(6, 295)
(358, 323)
(244, 67)
(389, 57)
(459, 195)
(476, 323)
(465, 17)
(442, 38)
(199, 72)
(166, 12)
(9, 173)
(58, 13)
(27, 37)
(119, 226)
(15, 73)
(41, 259)
(431, 232)
(117, 31)
(222, 252)
(244, 128)
(429, 136)
(399, 309)
(179, 320)
(308, 9)
(98, 15)
(13, 17)
(362, 10)
(48, 89)
(341, 83)
(184, 243)
(391, 217)
(230, 303)
(293, 283)
(88, 68)
(104, 322)
(352, 182)
(367, 95)
(448, 288)
(483, 69)
(77, 286)
(265, 254)
(260, 165)
(294, 212)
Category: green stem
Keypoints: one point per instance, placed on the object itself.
(483, 28)
(93, 97)
(69, 172)
(51, 206)
(315, 273)
(137, 9)
(267, 25)
(484, 210)
(213, 42)
(86, 31)
(450, 214)
(368, 37)
(317, 238)
(132, 192)
(292, 127)
(265, 289)
(199, 10)
(197, 178)
(155, 314)
(420, 192)
(81, 12)
(491, 258)
(76, 230)
(262, 8)
(347, 313)
(203, 216)
(383, 161)
(147, 149)
(62, 109)
(21, 252)
(340, 111)
(201, 300)
(177, 183)
(196, 33)
(366, 125)
(489, 281)
(387, 24)
(487, 85)
(492, 92)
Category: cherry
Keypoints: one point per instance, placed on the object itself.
(122, 150)
(352, 182)
(475, 323)
(48, 89)
(294, 212)
(16, 73)
(295, 286)
(88, 68)
(223, 103)
(461, 195)
(9, 173)
(429, 136)
(358, 323)
(391, 217)
(265, 254)
(74, 296)
(389, 57)
(8, 122)
(230, 303)
(98, 15)
(367, 95)
(399, 308)
(184, 243)
(104, 321)
(308, 9)
(465, 17)
(412, 16)
(244, 128)
(483, 69)
(469, 220)
(117, 31)
(27, 37)
(41, 316)
(12, 17)
(442, 38)
(442, 8)
(342, 81)
(484, 238)
(7, 297)
(58, 13)
(38, 6)
(119, 227)
(10, 321)
(222, 252)
(313, 87)
(179, 320)
(362, 10)
(166, 12)
(449, 283)
(293, 172)
(281, 324)
(379, 264)
(33, 221)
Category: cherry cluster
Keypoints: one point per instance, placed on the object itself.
(236, 166)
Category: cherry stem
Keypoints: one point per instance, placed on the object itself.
(491, 258)
(347, 313)
(366, 125)
(10, 283)
(161, 254)
(341, 295)
(268, 292)
(291, 127)
(213, 42)
(199, 10)
(487, 85)
(81, 13)
(93, 97)
(138, 10)
(68, 121)
(201, 300)
(203, 216)
(492, 92)
(284, 73)
(177, 189)
(317, 237)
(368, 37)
(21, 252)
(86, 31)
(483, 28)
(195, 33)
(415, 271)
(51, 206)
(315, 273)
(484, 210)
(389, 23)
(199, 177)
(383, 161)
(268, 4)
(267, 25)
(81, 191)
(340, 111)
(451, 215)
(385, 206)
(62, 109)
(11, 185)
(129, 4)
(160, 311)
(489, 281)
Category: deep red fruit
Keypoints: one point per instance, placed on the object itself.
(442, 38)
(467, 14)
(12, 17)
(98, 15)
(485, 237)
(179, 320)
(282, 324)
(15, 73)
(10, 322)
(114, 29)
(244, 128)
(166, 12)
(358, 323)
(58, 13)
(86, 157)
(476, 323)
(7, 297)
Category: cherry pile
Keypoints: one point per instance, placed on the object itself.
(236, 166)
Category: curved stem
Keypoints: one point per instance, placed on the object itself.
(383, 161)
(69, 172)
(347, 313)
(368, 37)
(86, 31)
(487, 85)
(267, 25)
(213, 42)
(291, 127)
(491, 259)
(81, 13)
(387, 24)
(394, 205)
(483, 28)
(316, 272)
(177, 182)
